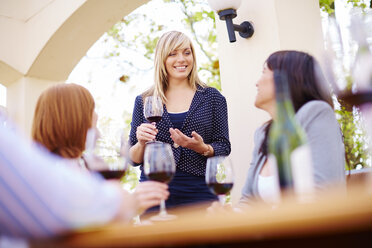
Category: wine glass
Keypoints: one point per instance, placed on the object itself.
(159, 165)
(334, 57)
(153, 109)
(109, 163)
(219, 176)
(348, 59)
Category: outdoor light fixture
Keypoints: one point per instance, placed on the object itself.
(226, 9)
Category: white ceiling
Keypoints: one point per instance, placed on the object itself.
(22, 10)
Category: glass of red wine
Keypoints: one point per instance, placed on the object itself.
(109, 163)
(219, 176)
(153, 109)
(159, 165)
(348, 58)
(114, 167)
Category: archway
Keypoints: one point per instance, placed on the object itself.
(45, 40)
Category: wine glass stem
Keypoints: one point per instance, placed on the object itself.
(154, 124)
(163, 211)
(221, 199)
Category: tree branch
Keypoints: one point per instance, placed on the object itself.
(191, 21)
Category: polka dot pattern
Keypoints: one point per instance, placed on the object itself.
(207, 116)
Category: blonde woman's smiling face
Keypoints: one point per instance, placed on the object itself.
(179, 63)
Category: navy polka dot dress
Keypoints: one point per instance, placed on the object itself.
(208, 117)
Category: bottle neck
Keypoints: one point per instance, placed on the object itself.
(284, 106)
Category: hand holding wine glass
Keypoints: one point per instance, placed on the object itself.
(219, 176)
(159, 166)
(153, 109)
(149, 194)
(145, 133)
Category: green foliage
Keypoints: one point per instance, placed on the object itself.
(199, 20)
(150, 44)
(357, 4)
(130, 179)
(195, 15)
(349, 118)
(221, 173)
(356, 150)
(328, 6)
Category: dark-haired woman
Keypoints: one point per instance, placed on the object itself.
(314, 111)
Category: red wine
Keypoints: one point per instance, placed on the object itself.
(161, 176)
(154, 118)
(220, 188)
(112, 174)
(356, 98)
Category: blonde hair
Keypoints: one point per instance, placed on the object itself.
(62, 118)
(167, 43)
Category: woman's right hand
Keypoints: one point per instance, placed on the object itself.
(149, 194)
(146, 132)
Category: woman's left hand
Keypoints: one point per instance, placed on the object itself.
(195, 143)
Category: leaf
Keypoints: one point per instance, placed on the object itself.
(124, 78)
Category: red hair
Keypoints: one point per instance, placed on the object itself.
(62, 118)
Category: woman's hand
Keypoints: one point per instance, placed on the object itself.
(146, 132)
(149, 194)
(195, 143)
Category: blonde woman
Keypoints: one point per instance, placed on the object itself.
(194, 121)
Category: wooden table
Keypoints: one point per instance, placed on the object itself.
(332, 221)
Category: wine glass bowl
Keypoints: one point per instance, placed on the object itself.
(348, 59)
(159, 165)
(219, 176)
(110, 162)
(109, 167)
(115, 167)
(153, 108)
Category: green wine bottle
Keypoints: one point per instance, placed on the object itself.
(288, 147)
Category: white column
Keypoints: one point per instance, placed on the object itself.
(22, 96)
(284, 24)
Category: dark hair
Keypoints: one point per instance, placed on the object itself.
(305, 79)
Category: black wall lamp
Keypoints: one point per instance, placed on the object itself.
(226, 9)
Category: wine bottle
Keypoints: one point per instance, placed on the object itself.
(288, 148)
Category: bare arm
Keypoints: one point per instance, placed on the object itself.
(145, 132)
(140, 132)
